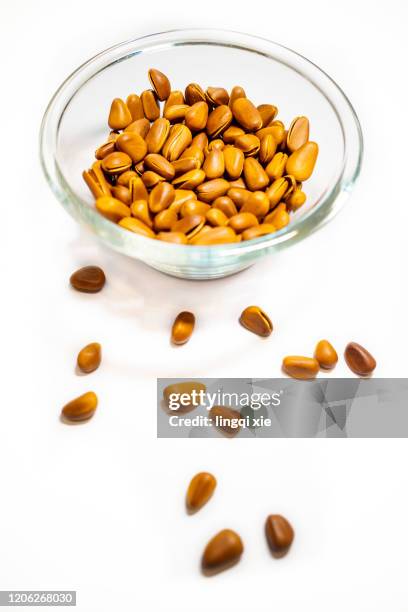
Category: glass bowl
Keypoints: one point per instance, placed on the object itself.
(75, 124)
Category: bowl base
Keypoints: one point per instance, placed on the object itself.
(191, 274)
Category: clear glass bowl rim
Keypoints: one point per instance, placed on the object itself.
(315, 218)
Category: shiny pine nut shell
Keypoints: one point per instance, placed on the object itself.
(195, 152)
(183, 327)
(179, 139)
(164, 220)
(185, 164)
(232, 133)
(111, 208)
(214, 164)
(180, 197)
(217, 143)
(190, 225)
(161, 197)
(116, 162)
(296, 199)
(246, 114)
(135, 106)
(359, 360)
(279, 534)
(89, 279)
(160, 83)
(242, 221)
(194, 207)
(196, 116)
(138, 189)
(176, 112)
(217, 96)
(238, 183)
(99, 176)
(222, 551)
(255, 176)
(216, 235)
(257, 204)
(234, 161)
(174, 237)
(81, 408)
(140, 210)
(258, 230)
(248, 143)
(157, 135)
(175, 97)
(211, 190)
(139, 126)
(300, 367)
(132, 144)
(326, 354)
(277, 166)
(200, 140)
(194, 93)
(122, 193)
(189, 180)
(276, 191)
(225, 205)
(89, 357)
(238, 196)
(105, 149)
(257, 321)
(216, 217)
(302, 162)
(298, 134)
(151, 179)
(268, 113)
(158, 163)
(119, 115)
(267, 149)
(136, 226)
(150, 107)
(276, 129)
(236, 92)
(200, 491)
(125, 178)
(279, 217)
(199, 235)
(94, 187)
(218, 121)
(140, 169)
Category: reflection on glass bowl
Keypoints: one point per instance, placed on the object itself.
(75, 124)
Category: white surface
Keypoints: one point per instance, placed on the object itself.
(99, 508)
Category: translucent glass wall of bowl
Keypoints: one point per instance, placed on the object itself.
(76, 123)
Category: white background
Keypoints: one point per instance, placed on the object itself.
(99, 507)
